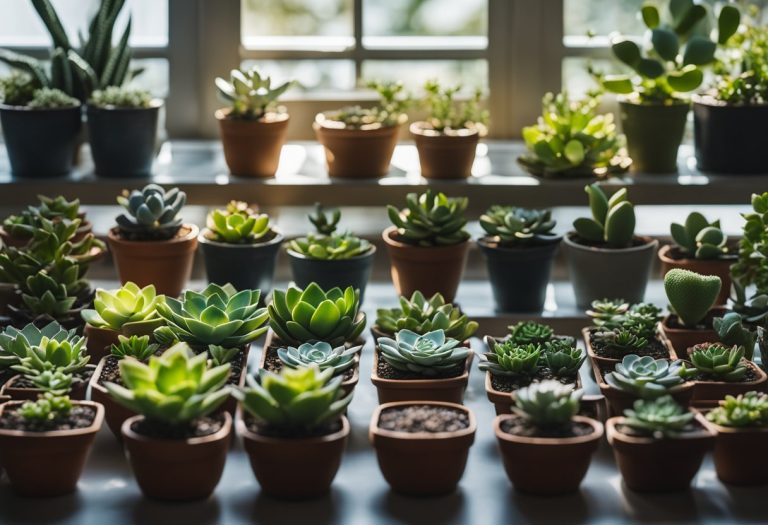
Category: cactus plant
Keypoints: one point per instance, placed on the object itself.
(718, 361)
(128, 307)
(699, 238)
(422, 315)
(513, 226)
(645, 377)
(690, 294)
(509, 359)
(430, 219)
(390, 111)
(547, 405)
(444, 113)
(134, 346)
(659, 418)
(530, 332)
(339, 359)
(731, 331)
(250, 94)
(121, 97)
(612, 222)
(429, 355)
(744, 410)
(239, 224)
(152, 213)
(326, 244)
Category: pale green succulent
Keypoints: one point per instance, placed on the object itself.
(430, 219)
(509, 359)
(320, 353)
(67, 356)
(46, 410)
(717, 360)
(238, 224)
(48, 98)
(645, 377)
(15, 343)
(660, 418)
(249, 93)
(422, 315)
(121, 97)
(547, 405)
(744, 410)
(134, 346)
(130, 309)
(608, 313)
(429, 355)
(54, 381)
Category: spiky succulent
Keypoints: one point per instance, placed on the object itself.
(66, 355)
(172, 389)
(699, 238)
(249, 93)
(513, 226)
(221, 355)
(325, 220)
(152, 212)
(563, 360)
(134, 346)
(15, 343)
(744, 410)
(731, 330)
(430, 354)
(301, 316)
(219, 315)
(320, 353)
(46, 410)
(608, 313)
(659, 418)
(239, 224)
(645, 377)
(547, 405)
(690, 294)
(326, 244)
(620, 340)
(422, 315)
(718, 361)
(530, 332)
(430, 219)
(508, 359)
(129, 308)
(613, 219)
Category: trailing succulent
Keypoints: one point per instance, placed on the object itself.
(744, 410)
(134, 346)
(300, 316)
(390, 111)
(326, 244)
(250, 94)
(239, 224)
(320, 353)
(718, 361)
(128, 309)
(422, 315)
(645, 377)
(691, 295)
(121, 97)
(513, 226)
(547, 405)
(731, 331)
(444, 114)
(613, 220)
(430, 219)
(699, 238)
(430, 354)
(658, 418)
(151, 213)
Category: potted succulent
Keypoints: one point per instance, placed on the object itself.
(31, 116)
(748, 272)
(519, 248)
(659, 445)
(428, 232)
(653, 111)
(328, 258)
(429, 367)
(447, 139)
(18, 230)
(422, 446)
(701, 247)
(253, 127)
(129, 310)
(359, 142)
(150, 244)
(44, 443)
(741, 423)
(293, 422)
(604, 242)
(240, 247)
(732, 330)
(177, 446)
(691, 297)
(571, 140)
(545, 446)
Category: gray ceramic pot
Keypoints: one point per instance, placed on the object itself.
(327, 274)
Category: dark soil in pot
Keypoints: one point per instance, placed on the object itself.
(654, 133)
(445, 155)
(357, 153)
(354, 272)
(252, 147)
(671, 257)
(597, 350)
(244, 266)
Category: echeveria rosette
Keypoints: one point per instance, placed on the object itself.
(660, 418)
(547, 405)
(513, 226)
(430, 219)
(718, 361)
(429, 354)
(152, 212)
(509, 359)
(335, 246)
(66, 356)
(15, 343)
(422, 315)
(645, 377)
(238, 224)
(128, 308)
(320, 353)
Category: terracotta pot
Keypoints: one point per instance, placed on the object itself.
(252, 147)
(115, 414)
(166, 264)
(99, 341)
(44, 464)
(78, 392)
(445, 156)
(413, 267)
(276, 462)
(547, 466)
(176, 469)
(739, 455)
(357, 153)
(659, 465)
(719, 267)
(709, 393)
(684, 338)
(598, 360)
(422, 464)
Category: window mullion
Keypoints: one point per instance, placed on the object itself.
(358, 51)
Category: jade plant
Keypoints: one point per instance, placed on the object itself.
(720, 362)
(430, 219)
(390, 110)
(219, 315)
(571, 139)
(731, 330)
(300, 316)
(690, 294)
(134, 346)
(250, 94)
(658, 418)
(46, 412)
(325, 243)
(173, 389)
(699, 238)
(422, 315)
(613, 220)
(239, 224)
(508, 359)
(121, 97)
(513, 226)
(320, 353)
(530, 332)
(428, 355)
(645, 377)
(744, 410)
(549, 406)
(129, 308)
(151, 213)
(445, 114)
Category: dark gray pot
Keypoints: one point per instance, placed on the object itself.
(123, 141)
(602, 273)
(245, 266)
(327, 274)
(654, 133)
(41, 142)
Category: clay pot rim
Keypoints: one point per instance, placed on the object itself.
(222, 433)
(435, 383)
(154, 105)
(93, 383)
(194, 232)
(93, 428)
(387, 235)
(716, 309)
(201, 238)
(279, 117)
(596, 434)
(631, 100)
(423, 130)
(594, 358)
(303, 257)
(486, 242)
(648, 243)
(665, 258)
(374, 430)
(762, 377)
(613, 434)
(708, 100)
(245, 434)
(27, 109)
(321, 123)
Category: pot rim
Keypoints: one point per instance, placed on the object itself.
(202, 239)
(155, 104)
(93, 382)
(93, 428)
(303, 257)
(423, 130)
(485, 242)
(722, 429)
(762, 377)
(437, 383)
(224, 114)
(649, 243)
(631, 101)
(665, 258)
(27, 109)
(387, 236)
(222, 433)
(597, 433)
(375, 430)
(710, 101)
(321, 123)
(193, 234)
(245, 434)
(612, 433)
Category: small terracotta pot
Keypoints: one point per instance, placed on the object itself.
(78, 392)
(166, 264)
(719, 267)
(276, 462)
(709, 393)
(598, 360)
(413, 267)
(659, 465)
(357, 153)
(547, 466)
(422, 464)
(252, 147)
(44, 464)
(99, 341)
(503, 401)
(683, 338)
(739, 455)
(175, 469)
(115, 414)
(445, 156)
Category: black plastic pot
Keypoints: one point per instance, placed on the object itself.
(40, 142)
(730, 139)
(654, 133)
(244, 266)
(519, 276)
(123, 140)
(329, 273)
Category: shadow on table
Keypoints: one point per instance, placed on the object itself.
(144, 511)
(444, 510)
(569, 508)
(36, 510)
(682, 506)
(264, 510)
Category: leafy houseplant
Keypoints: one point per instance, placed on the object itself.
(428, 232)
(447, 139)
(253, 126)
(545, 446)
(604, 242)
(122, 125)
(571, 140)
(519, 248)
(653, 111)
(328, 258)
(151, 244)
(359, 142)
(240, 246)
(294, 420)
(750, 269)
(691, 297)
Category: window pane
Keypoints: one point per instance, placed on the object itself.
(413, 73)
(313, 75)
(425, 17)
(577, 81)
(602, 17)
(154, 77)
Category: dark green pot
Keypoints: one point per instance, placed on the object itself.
(328, 274)
(654, 133)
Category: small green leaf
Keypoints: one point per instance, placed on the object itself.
(688, 79)
(650, 15)
(665, 43)
(727, 23)
(650, 68)
(628, 52)
(700, 50)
